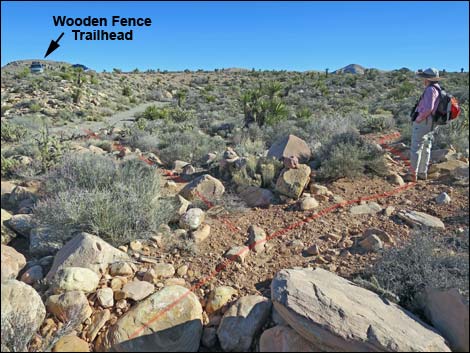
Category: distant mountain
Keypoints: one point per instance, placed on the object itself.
(351, 69)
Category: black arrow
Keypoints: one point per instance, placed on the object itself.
(54, 45)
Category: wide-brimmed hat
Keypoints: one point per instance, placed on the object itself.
(430, 74)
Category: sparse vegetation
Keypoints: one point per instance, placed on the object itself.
(430, 260)
(117, 201)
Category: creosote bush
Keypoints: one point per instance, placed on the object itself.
(430, 260)
(348, 155)
(119, 201)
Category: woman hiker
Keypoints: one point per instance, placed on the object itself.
(422, 133)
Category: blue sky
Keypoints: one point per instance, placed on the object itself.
(264, 35)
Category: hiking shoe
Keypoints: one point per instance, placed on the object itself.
(422, 176)
(409, 178)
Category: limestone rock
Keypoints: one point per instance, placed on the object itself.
(382, 235)
(75, 279)
(70, 306)
(336, 315)
(256, 238)
(368, 208)
(201, 234)
(290, 146)
(238, 253)
(71, 343)
(284, 339)
(448, 313)
(218, 298)
(257, 197)
(22, 224)
(192, 219)
(168, 321)
(120, 268)
(308, 203)
(371, 243)
(292, 182)
(7, 233)
(443, 198)
(242, 322)
(420, 219)
(88, 251)
(137, 290)
(12, 263)
(105, 297)
(22, 311)
(204, 188)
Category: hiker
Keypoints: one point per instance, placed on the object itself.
(423, 125)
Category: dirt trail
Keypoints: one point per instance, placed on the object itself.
(118, 119)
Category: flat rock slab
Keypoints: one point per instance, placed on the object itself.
(417, 219)
(336, 315)
(369, 208)
(290, 146)
(168, 321)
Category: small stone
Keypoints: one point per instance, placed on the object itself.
(105, 297)
(218, 298)
(137, 290)
(388, 211)
(70, 306)
(368, 208)
(163, 270)
(135, 245)
(443, 199)
(182, 270)
(116, 284)
(313, 250)
(192, 219)
(121, 269)
(256, 238)
(308, 203)
(173, 282)
(32, 275)
(238, 253)
(201, 234)
(371, 243)
(396, 179)
(384, 236)
(321, 260)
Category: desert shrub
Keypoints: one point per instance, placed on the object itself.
(12, 132)
(428, 260)
(117, 201)
(257, 171)
(126, 91)
(188, 145)
(455, 134)
(175, 114)
(349, 155)
(9, 166)
(50, 148)
(35, 107)
(377, 123)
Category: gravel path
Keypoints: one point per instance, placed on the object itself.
(118, 119)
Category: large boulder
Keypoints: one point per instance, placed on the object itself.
(204, 188)
(242, 322)
(88, 251)
(336, 315)
(12, 263)
(22, 312)
(290, 146)
(292, 182)
(257, 197)
(417, 219)
(448, 312)
(284, 339)
(168, 321)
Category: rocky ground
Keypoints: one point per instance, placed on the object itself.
(239, 268)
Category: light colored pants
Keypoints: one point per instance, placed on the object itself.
(421, 143)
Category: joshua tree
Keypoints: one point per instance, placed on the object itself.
(326, 71)
(180, 97)
(461, 70)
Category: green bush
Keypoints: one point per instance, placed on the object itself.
(349, 155)
(12, 132)
(117, 201)
(9, 166)
(430, 259)
(126, 91)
